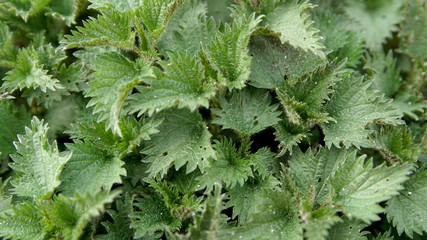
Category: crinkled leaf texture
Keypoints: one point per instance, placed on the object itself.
(359, 187)
(115, 77)
(68, 216)
(353, 107)
(24, 223)
(90, 168)
(37, 163)
(227, 53)
(183, 84)
(248, 112)
(183, 139)
(408, 211)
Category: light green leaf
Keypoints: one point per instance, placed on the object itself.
(290, 21)
(410, 103)
(64, 10)
(183, 84)
(303, 99)
(276, 217)
(189, 20)
(68, 216)
(152, 216)
(289, 135)
(375, 19)
(396, 144)
(354, 107)
(231, 166)
(227, 53)
(359, 187)
(273, 62)
(26, 8)
(156, 14)
(37, 163)
(183, 139)
(109, 29)
(385, 73)
(12, 120)
(408, 210)
(244, 198)
(248, 112)
(29, 72)
(90, 169)
(207, 224)
(121, 5)
(348, 230)
(115, 77)
(24, 223)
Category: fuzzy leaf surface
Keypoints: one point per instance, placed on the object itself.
(247, 112)
(182, 140)
(115, 77)
(408, 211)
(353, 107)
(37, 163)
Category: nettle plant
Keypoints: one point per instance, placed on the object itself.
(191, 119)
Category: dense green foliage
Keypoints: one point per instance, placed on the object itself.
(213, 119)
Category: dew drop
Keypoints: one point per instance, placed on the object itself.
(409, 193)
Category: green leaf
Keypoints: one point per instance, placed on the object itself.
(375, 19)
(289, 20)
(359, 187)
(103, 31)
(115, 77)
(207, 224)
(303, 99)
(181, 206)
(276, 217)
(12, 120)
(29, 72)
(414, 28)
(183, 84)
(156, 14)
(227, 53)
(318, 221)
(354, 107)
(8, 51)
(121, 5)
(385, 73)
(37, 163)
(311, 172)
(25, 8)
(348, 230)
(396, 144)
(244, 198)
(408, 210)
(24, 223)
(68, 216)
(410, 103)
(248, 112)
(189, 20)
(119, 229)
(273, 62)
(384, 236)
(231, 166)
(65, 10)
(152, 216)
(90, 169)
(337, 37)
(5, 201)
(182, 139)
(289, 135)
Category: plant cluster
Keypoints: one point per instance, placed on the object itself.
(206, 119)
